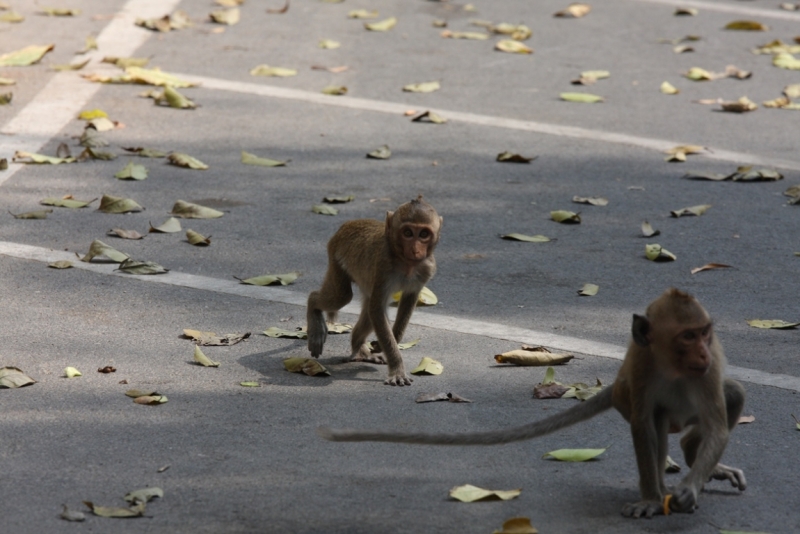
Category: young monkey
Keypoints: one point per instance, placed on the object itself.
(671, 379)
(381, 258)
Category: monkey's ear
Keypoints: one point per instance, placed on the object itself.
(389, 215)
(441, 221)
(640, 329)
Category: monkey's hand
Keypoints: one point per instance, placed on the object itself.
(398, 378)
(643, 509)
(735, 476)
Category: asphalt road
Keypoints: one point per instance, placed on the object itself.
(247, 459)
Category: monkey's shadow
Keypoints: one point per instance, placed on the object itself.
(270, 365)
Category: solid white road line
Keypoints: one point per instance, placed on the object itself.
(421, 318)
(395, 108)
(773, 12)
(61, 99)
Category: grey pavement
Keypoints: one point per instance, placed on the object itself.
(248, 459)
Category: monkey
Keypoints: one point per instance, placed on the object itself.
(381, 258)
(671, 379)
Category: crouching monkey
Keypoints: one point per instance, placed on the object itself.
(382, 259)
(671, 380)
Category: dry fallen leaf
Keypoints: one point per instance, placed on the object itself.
(656, 252)
(742, 105)
(470, 493)
(526, 238)
(60, 264)
(109, 204)
(169, 226)
(266, 70)
(747, 25)
(322, 209)
(588, 290)
(136, 510)
(24, 57)
(13, 377)
(212, 339)
(710, 266)
(771, 323)
(101, 250)
(512, 47)
(428, 366)
(130, 266)
(423, 87)
(648, 231)
(252, 159)
(197, 239)
(565, 217)
(180, 159)
(280, 332)
(187, 210)
(686, 11)
(746, 419)
(517, 525)
(307, 366)
(509, 157)
(202, 359)
(270, 279)
(584, 98)
(575, 455)
(691, 210)
(429, 116)
(532, 356)
(382, 152)
(334, 90)
(382, 26)
(434, 397)
(38, 214)
(573, 11)
(124, 234)
(594, 201)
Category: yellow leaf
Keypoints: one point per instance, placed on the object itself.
(307, 366)
(747, 25)
(470, 493)
(575, 455)
(517, 525)
(772, 323)
(382, 26)
(588, 290)
(565, 217)
(426, 297)
(574, 11)
(513, 47)
(669, 89)
(428, 366)
(692, 210)
(656, 252)
(532, 357)
(26, 56)
(266, 70)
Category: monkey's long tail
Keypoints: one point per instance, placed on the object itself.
(581, 412)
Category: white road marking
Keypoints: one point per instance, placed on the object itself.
(61, 99)
(421, 318)
(773, 12)
(395, 108)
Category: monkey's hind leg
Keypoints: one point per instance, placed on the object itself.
(335, 293)
(358, 339)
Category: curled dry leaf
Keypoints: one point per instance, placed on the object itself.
(280, 332)
(90, 153)
(382, 26)
(144, 495)
(72, 515)
(322, 209)
(124, 234)
(13, 377)
(786, 61)
(742, 105)
(342, 199)
(588, 290)
(776, 324)
(202, 359)
(589, 77)
(426, 297)
(69, 66)
(382, 152)
(474, 36)
(38, 214)
(429, 116)
(691, 210)
(553, 390)
(196, 239)
(574, 11)
(532, 356)
(60, 264)
(98, 249)
(252, 159)
(575, 455)
(517, 525)
(213, 340)
(146, 152)
(782, 102)
(307, 366)
(434, 397)
(747, 25)
(334, 90)
(279, 72)
(423, 87)
(117, 512)
(21, 156)
(428, 366)
(470, 493)
(565, 217)
(26, 56)
(270, 279)
(656, 252)
(594, 201)
(134, 393)
(746, 419)
(528, 238)
(339, 328)
(710, 266)
(585, 98)
(648, 231)
(512, 47)
(225, 16)
(151, 400)
(362, 14)
(518, 32)
(180, 159)
(66, 202)
(130, 266)
(169, 226)
(509, 157)
(109, 204)
(174, 99)
(187, 210)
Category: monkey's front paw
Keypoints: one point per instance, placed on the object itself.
(364, 355)
(315, 343)
(684, 500)
(735, 476)
(398, 379)
(643, 509)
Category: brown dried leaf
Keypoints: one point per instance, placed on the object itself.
(710, 266)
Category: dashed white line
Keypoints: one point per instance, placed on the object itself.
(421, 318)
(773, 13)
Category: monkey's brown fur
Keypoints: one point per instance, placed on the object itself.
(382, 259)
(671, 379)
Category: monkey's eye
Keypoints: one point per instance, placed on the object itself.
(688, 336)
(424, 234)
(408, 233)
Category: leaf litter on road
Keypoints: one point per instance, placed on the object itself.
(529, 356)
(470, 493)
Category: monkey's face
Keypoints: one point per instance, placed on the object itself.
(692, 346)
(417, 241)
